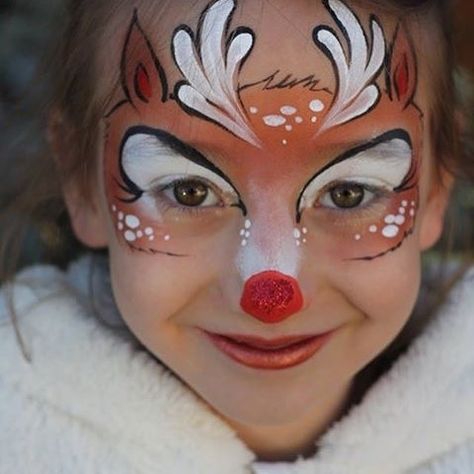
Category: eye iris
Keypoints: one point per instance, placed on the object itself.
(347, 195)
(191, 193)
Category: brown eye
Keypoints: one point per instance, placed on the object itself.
(191, 193)
(347, 195)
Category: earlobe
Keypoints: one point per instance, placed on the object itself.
(433, 217)
(87, 221)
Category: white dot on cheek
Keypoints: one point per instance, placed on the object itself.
(148, 231)
(132, 221)
(390, 231)
(130, 236)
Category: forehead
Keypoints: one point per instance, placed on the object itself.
(266, 78)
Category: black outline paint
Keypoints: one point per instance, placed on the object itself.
(349, 54)
(289, 81)
(149, 251)
(180, 147)
(385, 137)
(196, 40)
(390, 86)
(123, 68)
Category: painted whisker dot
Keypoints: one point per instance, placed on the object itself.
(132, 221)
(305, 240)
(167, 237)
(120, 226)
(248, 224)
(114, 208)
(373, 229)
(130, 236)
(402, 210)
(400, 220)
(357, 237)
(412, 212)
(139, 234)
(390, 219)
(297, 233)
(390, 231)
(405, 203)
(253, 110)
(314, 119)
(247, 234)
(151, 238)
(242, 232)
(304, 230)
(299, 119)
(121, 215)
(285, 142)
(289, 128)
(148, 231)
(244, 243)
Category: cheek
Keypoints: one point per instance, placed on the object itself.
(363, 234)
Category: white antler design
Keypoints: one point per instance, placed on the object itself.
(210, 68)
(356, 72)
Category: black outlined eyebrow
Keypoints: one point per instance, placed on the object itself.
(175, 144)
(399, 134)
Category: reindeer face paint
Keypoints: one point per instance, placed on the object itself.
(262, 167)
(275, 166)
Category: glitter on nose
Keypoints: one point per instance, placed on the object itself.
(271, 297)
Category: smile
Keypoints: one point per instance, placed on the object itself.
(275, 354)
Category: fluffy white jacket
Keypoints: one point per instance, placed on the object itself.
(91, 403)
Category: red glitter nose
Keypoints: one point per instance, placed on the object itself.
(271, 297)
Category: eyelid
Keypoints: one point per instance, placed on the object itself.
(384, 165)
(145, 158)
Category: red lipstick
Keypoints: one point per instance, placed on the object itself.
(267, 354)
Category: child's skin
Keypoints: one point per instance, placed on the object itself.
(357, 281)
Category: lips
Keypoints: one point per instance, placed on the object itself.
(267, 354)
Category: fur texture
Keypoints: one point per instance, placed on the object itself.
(91, 403)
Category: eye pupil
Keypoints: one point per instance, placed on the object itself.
(347, 195)
(191, 193)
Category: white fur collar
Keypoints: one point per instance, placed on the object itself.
(116, 410)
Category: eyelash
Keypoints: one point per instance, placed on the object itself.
(379, 194)
(166, 204)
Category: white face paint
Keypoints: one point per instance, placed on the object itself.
(355, 72)
(384, 167)
(212, 70)
(151, 164)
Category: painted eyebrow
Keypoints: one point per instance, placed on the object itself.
(173, 143)
(396, 134)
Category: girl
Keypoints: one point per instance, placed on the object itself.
(264, 176)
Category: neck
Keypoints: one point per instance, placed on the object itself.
(275, 443)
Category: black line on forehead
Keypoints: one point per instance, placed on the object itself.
(288, 81)
(180, 147)
(385, 137)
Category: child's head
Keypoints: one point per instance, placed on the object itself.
(259, 168)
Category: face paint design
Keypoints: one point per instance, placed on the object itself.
(168, 187)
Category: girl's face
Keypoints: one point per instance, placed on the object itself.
(266, 173)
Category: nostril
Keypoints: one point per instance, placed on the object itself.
(271, 297)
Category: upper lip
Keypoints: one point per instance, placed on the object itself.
(258, 342)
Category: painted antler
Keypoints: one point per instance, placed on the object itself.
(210, 64)
(357, 92)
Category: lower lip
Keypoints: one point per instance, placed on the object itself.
(270, 359)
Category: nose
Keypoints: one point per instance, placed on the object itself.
(271, 297)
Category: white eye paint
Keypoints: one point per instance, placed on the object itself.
(150, 163)
(384, 166)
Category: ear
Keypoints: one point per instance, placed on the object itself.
(143, 78)
(86, 220)
(432, 221)
(402, 70)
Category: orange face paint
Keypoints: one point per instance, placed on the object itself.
(260, 147)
